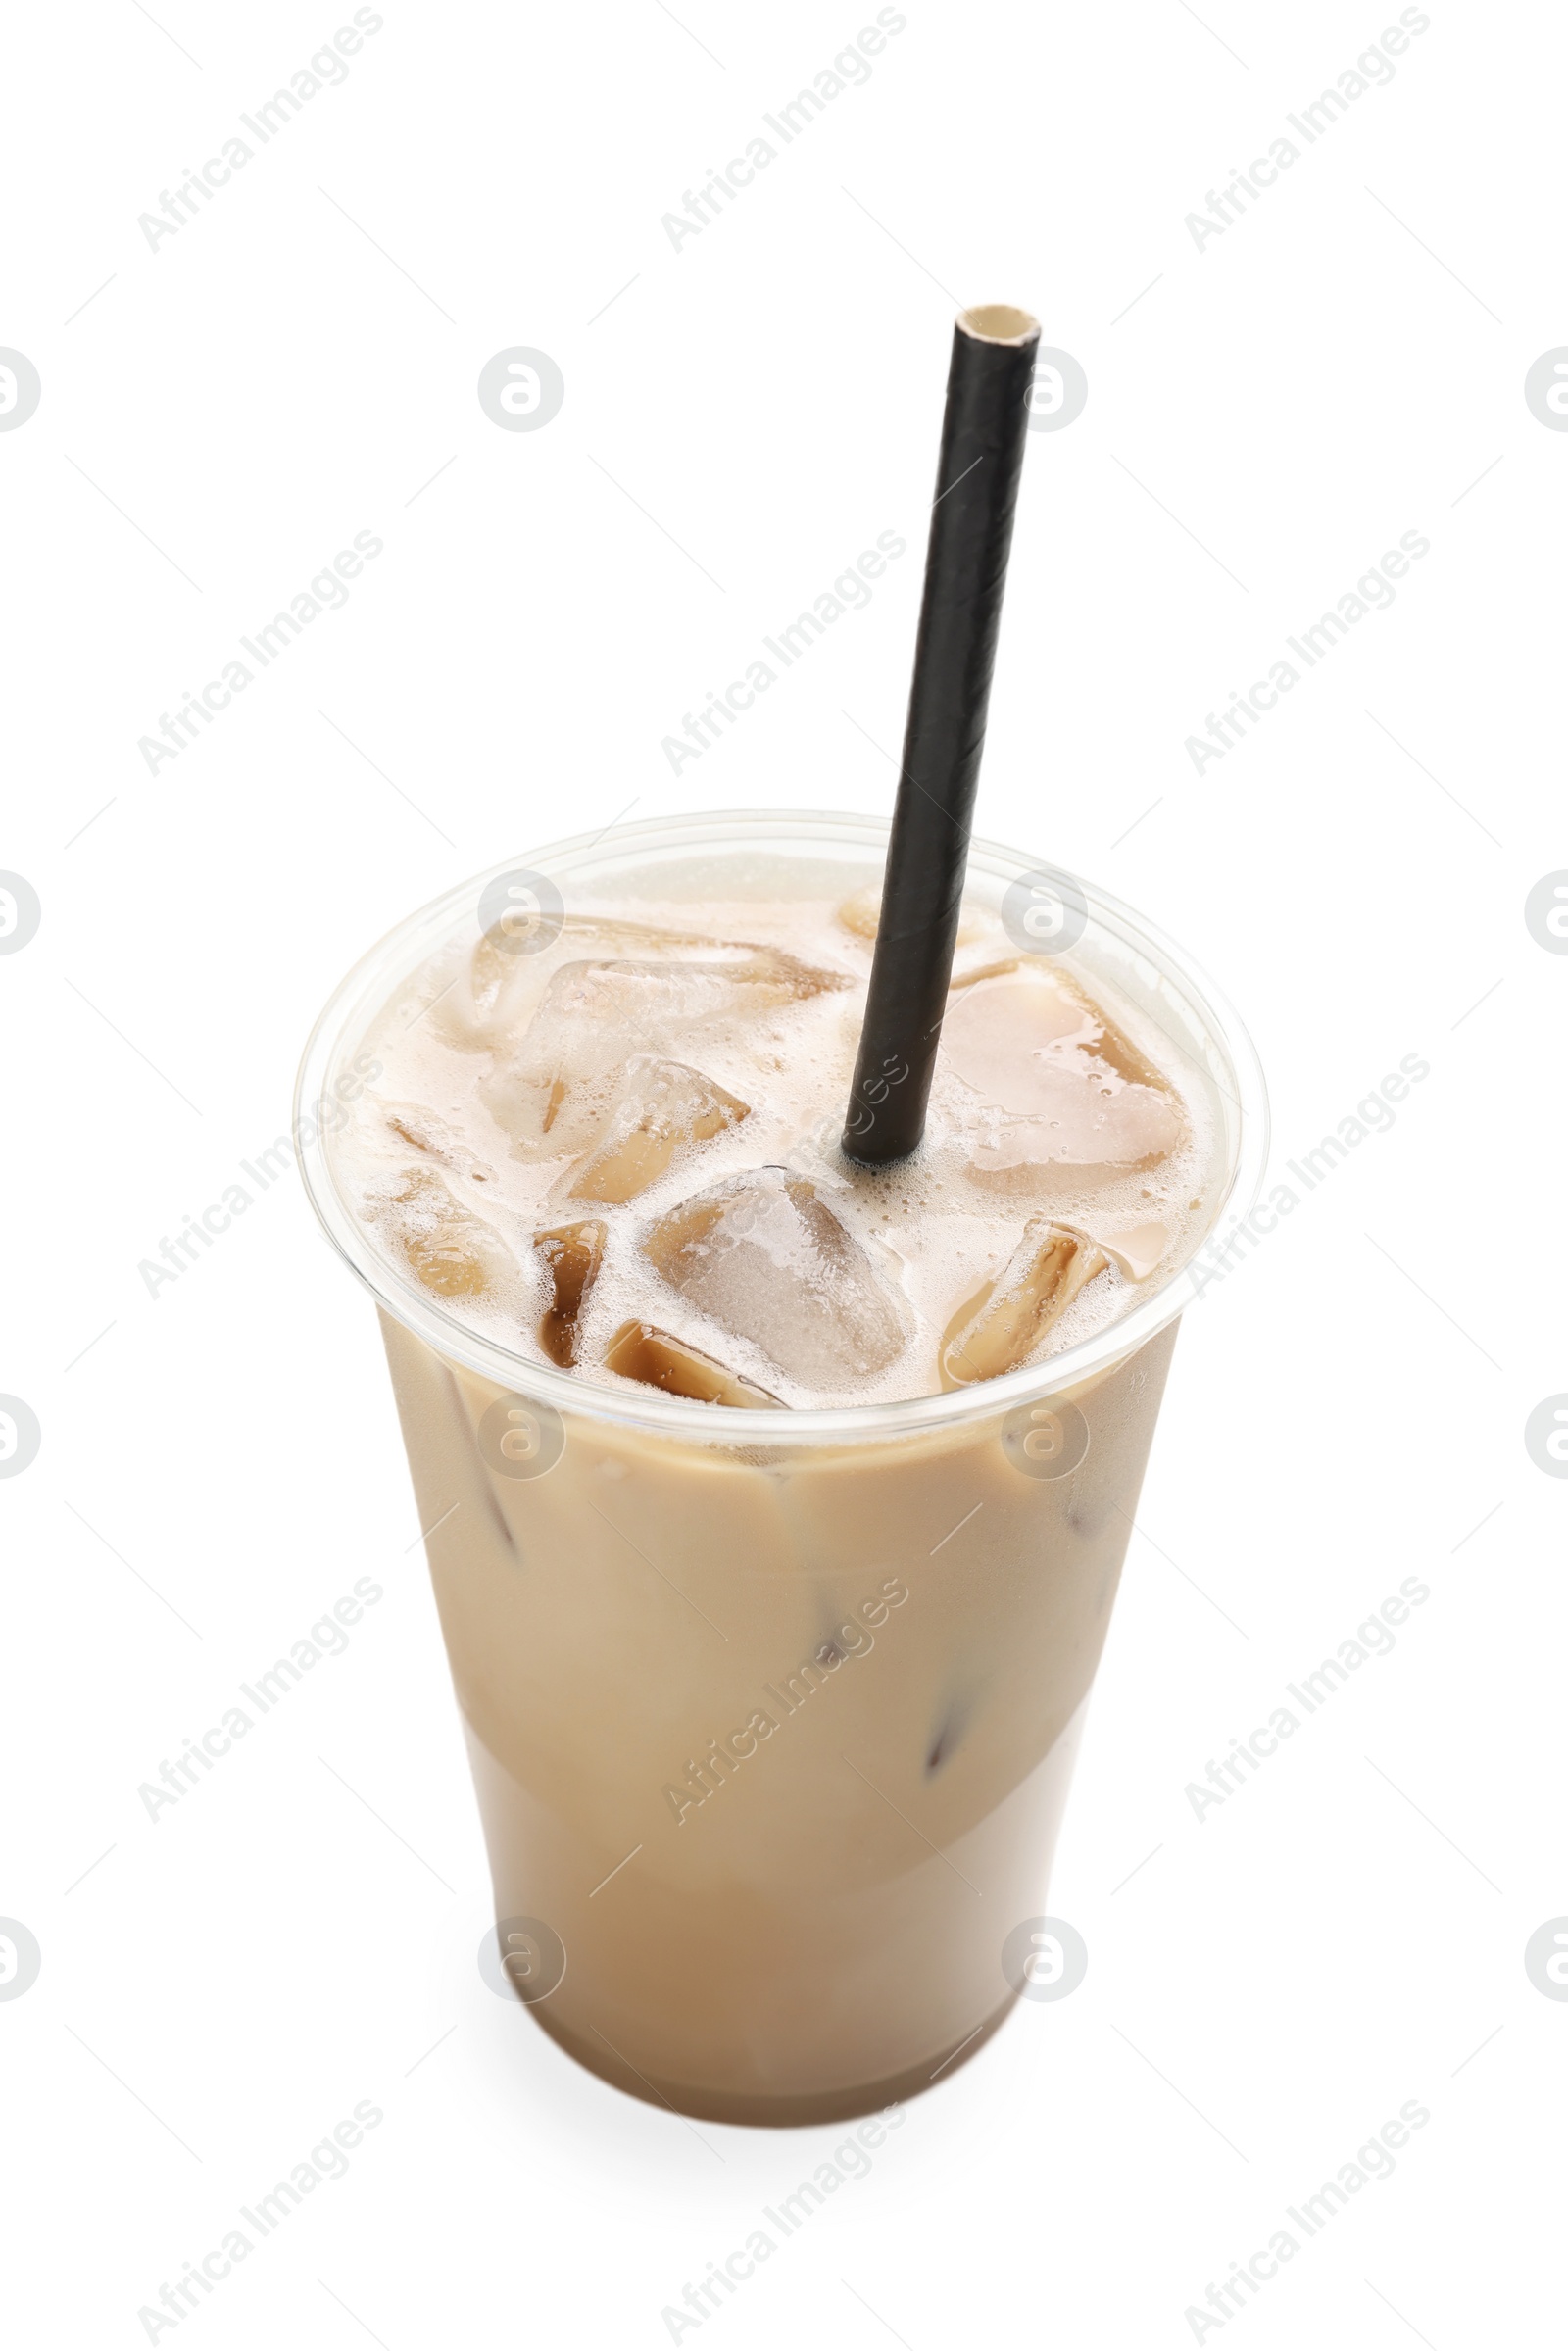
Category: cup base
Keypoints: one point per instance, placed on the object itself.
(772, 2112)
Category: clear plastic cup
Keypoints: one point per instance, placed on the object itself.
(771, 1715)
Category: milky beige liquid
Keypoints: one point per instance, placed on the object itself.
(774, 1740)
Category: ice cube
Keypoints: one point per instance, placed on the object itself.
(1136, 1250)
(572, 1254)
(1059, 1084)
(451, 1250)
(550, 1122)
(593, 1013)
(436, 1138)
(497, 983)
(592, 1016)
(1003, 1324)
(499, 976)
(766, 1255)
(639, 1351)
(658, 1109)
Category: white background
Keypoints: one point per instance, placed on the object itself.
(1266, 415)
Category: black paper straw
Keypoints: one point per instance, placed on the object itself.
(965, 571)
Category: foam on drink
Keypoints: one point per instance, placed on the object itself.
(638, 1125)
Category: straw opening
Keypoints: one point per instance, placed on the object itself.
(998, 323)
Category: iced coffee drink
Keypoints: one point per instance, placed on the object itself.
(777, 1506)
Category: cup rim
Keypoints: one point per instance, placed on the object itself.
(365, 988)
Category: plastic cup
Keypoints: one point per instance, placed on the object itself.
(771, 1715)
